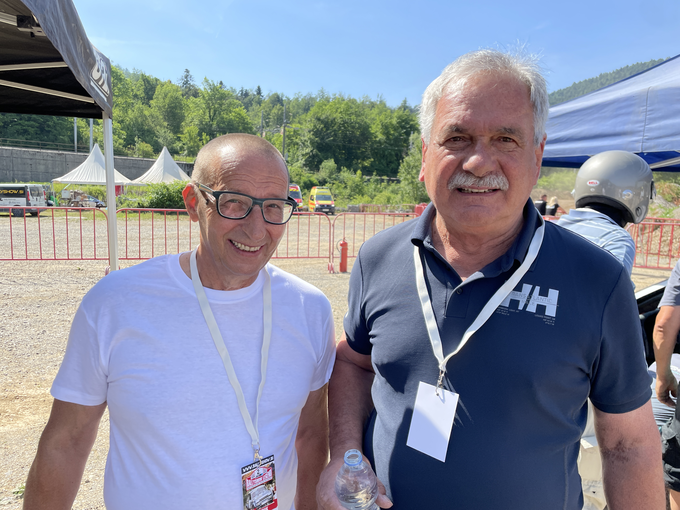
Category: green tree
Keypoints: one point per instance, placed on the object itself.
(336, 129)
(391, 130)
(187, 85)
(412, 189)
(216, 111)
(168, 106)
(191, 141)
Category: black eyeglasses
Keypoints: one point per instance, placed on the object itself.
(236, 206)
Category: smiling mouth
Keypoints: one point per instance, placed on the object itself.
(244, 247)
(477, 191)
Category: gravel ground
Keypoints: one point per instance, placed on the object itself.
(39, 300)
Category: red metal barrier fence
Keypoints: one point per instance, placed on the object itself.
(147, 233)
(355, 228)
(54, 233)
(63, 233)
(657, 242)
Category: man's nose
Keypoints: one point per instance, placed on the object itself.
(480, 159)
(254, 224)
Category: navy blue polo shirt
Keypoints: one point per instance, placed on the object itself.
(568, 331)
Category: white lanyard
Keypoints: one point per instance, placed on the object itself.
(224, 353)
(489, 308)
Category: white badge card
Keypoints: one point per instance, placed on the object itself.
(432, 421)
(259, 485)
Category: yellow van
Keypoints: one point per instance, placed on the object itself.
(321, 200)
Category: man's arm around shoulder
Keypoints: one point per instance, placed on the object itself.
(65, 444)
(350, 405)
(631, 459)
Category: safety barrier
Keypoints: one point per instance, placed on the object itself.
(66, 233)
(147, 233)
(63, 233)
(657, 242)
(54, 233)
(308, 236)
(356, 228)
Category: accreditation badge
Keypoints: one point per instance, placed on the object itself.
(259, 485)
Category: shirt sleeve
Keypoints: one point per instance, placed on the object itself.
(623, 248)
(356, 330)
(322, 374)
(671, 294)
(81, 378)
(620, 382)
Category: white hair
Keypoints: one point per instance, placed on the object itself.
(524, 67)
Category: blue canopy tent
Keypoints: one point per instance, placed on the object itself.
(640, 114)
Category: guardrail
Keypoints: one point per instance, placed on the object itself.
(657, 242)
(67, 233)
(54, 233)
(356, 228)
(147, 233)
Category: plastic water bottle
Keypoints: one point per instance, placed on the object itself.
(356, 485)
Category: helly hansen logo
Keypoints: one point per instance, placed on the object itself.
(531, 297)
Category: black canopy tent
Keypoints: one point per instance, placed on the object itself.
(49, 67)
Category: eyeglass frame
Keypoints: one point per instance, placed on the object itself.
(215, 195)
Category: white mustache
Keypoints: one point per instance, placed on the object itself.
(467, 180)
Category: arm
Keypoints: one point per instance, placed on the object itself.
(65, 444)
(631, 459)
(350, 404)
(666, 330)
(311, 444)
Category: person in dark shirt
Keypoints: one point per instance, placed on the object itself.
(541, 205)
(497, 422)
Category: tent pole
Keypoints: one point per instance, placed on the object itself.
(110, 193)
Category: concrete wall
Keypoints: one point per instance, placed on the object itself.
(33, 165)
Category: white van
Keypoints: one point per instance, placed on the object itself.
(22, 195)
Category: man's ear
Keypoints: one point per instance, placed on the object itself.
(421, 177)
(190, 196)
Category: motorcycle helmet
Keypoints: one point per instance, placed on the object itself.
(616, 179)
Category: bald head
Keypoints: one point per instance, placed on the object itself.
(233, 146)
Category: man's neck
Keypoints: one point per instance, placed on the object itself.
(209, 276)
(469, 252)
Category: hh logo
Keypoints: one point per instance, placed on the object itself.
(530, 298)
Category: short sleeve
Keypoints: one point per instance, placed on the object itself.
(81, 378)
(623, 248)
(620, 382)
(323, 371)
(671, 295)
(356, 330)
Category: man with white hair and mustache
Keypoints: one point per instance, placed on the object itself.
(468, 355)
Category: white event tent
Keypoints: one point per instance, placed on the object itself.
(163, 170)
(92, 171)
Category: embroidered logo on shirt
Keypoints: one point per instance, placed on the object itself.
(533, 300)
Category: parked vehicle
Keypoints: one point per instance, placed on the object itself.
(95, 202)
(22, 195)
(295, 193)
(321, 200)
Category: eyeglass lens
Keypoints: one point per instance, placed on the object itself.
(237, 206)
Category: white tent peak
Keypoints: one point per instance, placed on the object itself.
(163, 170)
(91, 171)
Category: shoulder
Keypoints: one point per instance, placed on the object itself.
(120, 283)
(295, 289)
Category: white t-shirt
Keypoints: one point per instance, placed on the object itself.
(139, 342)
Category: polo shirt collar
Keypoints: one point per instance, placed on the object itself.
(422, 236)
(583, 213)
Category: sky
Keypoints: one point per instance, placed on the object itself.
(389, 49)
